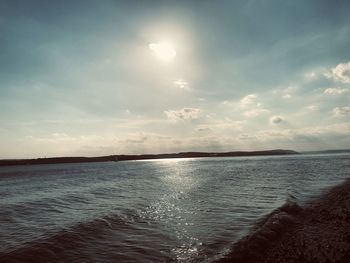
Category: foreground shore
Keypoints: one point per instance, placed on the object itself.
(317, 232)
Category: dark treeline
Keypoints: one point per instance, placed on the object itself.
(55, 160)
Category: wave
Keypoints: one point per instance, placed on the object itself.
(102, 240)
(264, 234)
(318, 231)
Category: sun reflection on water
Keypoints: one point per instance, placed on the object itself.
(174, 210)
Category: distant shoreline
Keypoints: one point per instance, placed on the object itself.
(116, 158)
(327, 151)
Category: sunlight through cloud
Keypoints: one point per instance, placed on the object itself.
(163, 51)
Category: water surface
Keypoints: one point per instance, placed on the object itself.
(174, 210)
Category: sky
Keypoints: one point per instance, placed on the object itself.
(88, 78)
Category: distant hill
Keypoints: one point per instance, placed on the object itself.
(55, 160)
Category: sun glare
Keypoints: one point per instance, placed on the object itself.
(163, 51)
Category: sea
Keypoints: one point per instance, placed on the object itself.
(166, 210)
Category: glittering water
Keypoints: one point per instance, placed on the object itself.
(175, 210)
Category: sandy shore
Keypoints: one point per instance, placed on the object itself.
(317, 232)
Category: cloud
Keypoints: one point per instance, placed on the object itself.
(341, 73)
(181, 84)
(252, 107)
(249, 100)
(312, 107)
(276, 119)
(60, 135)
(255, 112)
(336, 90)
(204, 129)
(341, 111)
(311, 75)
(222, 126)
(247, 137)
(317, 73)
(134, 141)
(183, 114)
(286, 96)
(308, 134)
(286, 93)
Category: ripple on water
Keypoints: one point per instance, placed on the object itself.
(159, 211)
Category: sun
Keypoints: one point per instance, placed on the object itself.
(163, 51)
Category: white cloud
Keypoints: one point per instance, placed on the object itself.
(183, 114)
(245, 136)
(286, 93)
(336, 90)
(312, 107)
(181, 84)
(341, 73)
(290, 89)
(276, 119)
(317, 74)
(311, 75)
(341, 111)
(249, 100)
(255, 112)
(315, 133)
(286, 96)
(251, 106)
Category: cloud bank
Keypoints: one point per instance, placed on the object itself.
(183, 114)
